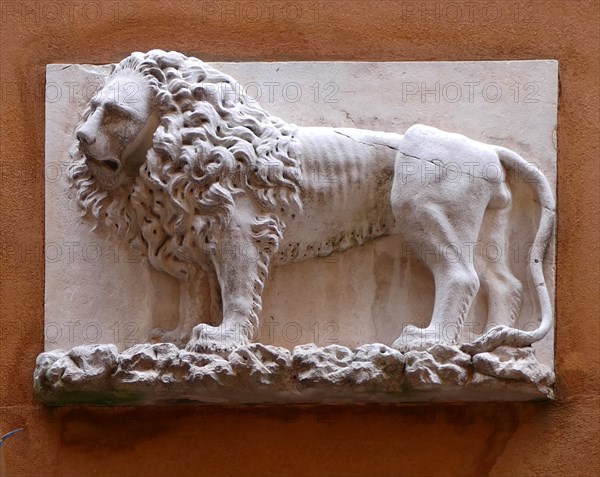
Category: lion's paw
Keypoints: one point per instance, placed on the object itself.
(219, 340)
(419, 339)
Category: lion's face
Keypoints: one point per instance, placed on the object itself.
(118, 131)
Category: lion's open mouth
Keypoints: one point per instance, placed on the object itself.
(110, 164)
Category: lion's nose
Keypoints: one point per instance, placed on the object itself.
(84, 138)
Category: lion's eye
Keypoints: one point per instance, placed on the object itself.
(116, 109)
(94, 105)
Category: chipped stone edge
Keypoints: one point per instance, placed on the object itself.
(161, 373)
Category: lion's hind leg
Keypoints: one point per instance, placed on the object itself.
(442, 246)
(503, 290)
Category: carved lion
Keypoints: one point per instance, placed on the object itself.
(175, 158)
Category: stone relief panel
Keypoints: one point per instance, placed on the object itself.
(298, 232)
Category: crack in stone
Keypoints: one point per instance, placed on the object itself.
(432, 161)
(442, 166)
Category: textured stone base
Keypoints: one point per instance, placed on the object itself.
(162, 373)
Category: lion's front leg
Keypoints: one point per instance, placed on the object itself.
(241, 263)
(190, 313)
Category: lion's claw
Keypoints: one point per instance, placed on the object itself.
(418, 339)
(215, 340)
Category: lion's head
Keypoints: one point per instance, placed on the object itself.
(166, 145)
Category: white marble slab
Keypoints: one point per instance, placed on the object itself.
(98, 292)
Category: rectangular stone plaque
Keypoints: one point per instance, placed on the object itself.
(351, 304)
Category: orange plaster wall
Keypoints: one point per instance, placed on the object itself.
(543, 439)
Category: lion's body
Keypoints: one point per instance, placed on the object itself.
(226, 191)
(345, 190)
(358, 185)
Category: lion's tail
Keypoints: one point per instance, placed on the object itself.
(504, 335)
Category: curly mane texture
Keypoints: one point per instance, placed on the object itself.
(213, 143)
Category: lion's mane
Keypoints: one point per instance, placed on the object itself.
(213, 143)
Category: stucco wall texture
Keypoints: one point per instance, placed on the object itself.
(557, 438)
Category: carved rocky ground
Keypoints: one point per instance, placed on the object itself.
(162, 373)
